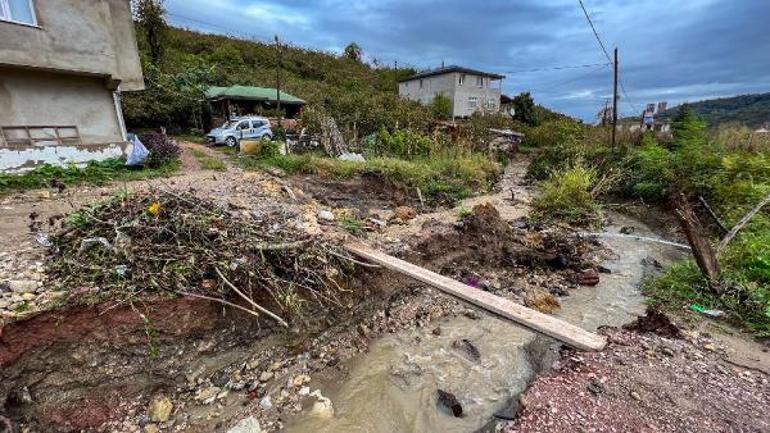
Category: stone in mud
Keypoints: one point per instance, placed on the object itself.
(265, 376)
(404, 213)
(589, 277)
(23, 286)
(325, 215)
(247, 425)
(160, 409)
(468, 349)
(541, 301)
(558, 262)
(450, 402)
(151, 428)
(207, 395)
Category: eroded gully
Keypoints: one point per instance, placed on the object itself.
(392, 387)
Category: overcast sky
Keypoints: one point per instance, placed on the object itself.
(670, 50)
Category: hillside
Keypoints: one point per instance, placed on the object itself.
(752, 110)
(355, 93)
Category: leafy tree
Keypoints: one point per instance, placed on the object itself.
(688, 128)
(525, 109)
(150, 16)
(441, 107)
(353, 52)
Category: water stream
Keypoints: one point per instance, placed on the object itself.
(392, 388)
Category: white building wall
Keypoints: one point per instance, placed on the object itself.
(487, 96)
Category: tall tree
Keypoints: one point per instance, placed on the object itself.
(687, 127)
(150, 16)
(353, 51)
(525, 109)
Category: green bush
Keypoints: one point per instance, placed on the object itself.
(566, 197)
(94, 173)
(402, 143)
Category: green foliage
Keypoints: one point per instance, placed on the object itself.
(750, 110)
(525, 109)
(402, 143)
(688, 128)
(353, 52)
(361, 98)
(566, 196)
(444, 177)
(207, 162)
(151, 27)
(441, 107)
(94, 173)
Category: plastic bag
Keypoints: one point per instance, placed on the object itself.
(138, 154)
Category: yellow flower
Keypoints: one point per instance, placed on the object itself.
(154, 208)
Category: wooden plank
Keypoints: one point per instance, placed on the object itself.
(536, 321)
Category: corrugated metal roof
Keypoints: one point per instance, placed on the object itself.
(251, 93)
(450, 69)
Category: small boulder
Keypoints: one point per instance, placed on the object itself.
(23, 286)
(325, 215)
(541, 301)
(589, 277)
(246, 425)
(450, 402)
(160, 409)
(404, 213)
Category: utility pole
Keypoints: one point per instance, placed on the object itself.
(395, 73)
(279, 65)
(615, 101)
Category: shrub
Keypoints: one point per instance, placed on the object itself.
(566, 196)
(402, 143)
(162, 149)
(441, 107)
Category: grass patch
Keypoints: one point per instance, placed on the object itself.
(93, 173)
(445, 177)
(566, 197)
(207, 162)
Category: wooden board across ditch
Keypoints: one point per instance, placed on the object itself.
(558, 329)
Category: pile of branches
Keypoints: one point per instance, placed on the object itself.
(179, 244)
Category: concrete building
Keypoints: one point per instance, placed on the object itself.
(469, 90)
(63, 64)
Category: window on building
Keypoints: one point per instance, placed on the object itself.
(462, 79)
(473, 102)
(480, 81)
(18, 11)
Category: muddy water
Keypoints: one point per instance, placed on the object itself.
(392, 388)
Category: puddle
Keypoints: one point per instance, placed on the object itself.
(392, 388)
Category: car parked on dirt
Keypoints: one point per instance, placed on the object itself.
(232, 132)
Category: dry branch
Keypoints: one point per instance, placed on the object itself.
(746, 218)
(702, 250)
(249, 300)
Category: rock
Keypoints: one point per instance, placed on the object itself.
(468, 349)
(436, 331)
(450, 402)
(627, 230)
(558, 262)
(322, 409)
(275, 171)
(589, 277)
(28, 296)
(541, 301)
(635, 395)
(603, 269)
(667, 351)
(265, 376)
(151, 428)
(300, 380)
(160, 409)
(472, 314)
(266, 403)
(404, 213)
(23, 286)
(305, 390)
(595, 387)
(325, 215)
(207, 395)
(247, 425)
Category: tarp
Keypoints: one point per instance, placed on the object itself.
(251, 93)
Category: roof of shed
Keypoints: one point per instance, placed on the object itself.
(452, 68)
(251, 93)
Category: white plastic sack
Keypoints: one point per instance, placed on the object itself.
(138, 154)
(348, 156)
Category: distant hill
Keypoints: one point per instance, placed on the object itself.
(751, 110)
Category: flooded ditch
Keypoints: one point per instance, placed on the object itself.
(393, 386)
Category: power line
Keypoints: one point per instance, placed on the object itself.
(558, 68)
(606, 54)
(596, 34)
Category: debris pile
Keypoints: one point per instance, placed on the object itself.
(179, 244)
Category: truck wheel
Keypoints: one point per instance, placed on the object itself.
(231, 142)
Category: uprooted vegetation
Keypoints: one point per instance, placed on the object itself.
(176, 244)
(730, 175)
